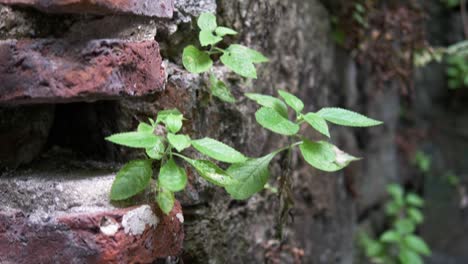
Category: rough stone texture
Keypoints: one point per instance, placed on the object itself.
(44, 220)
(156, 8)
(41, 71)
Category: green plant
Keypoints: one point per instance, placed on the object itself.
(422, 161)
(238, 58)
(399, 244)
(457, 71)
(451, 3)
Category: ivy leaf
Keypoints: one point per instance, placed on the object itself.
(157, 151)
(325, 156)
(210, 172)
(417, 244)
(174, 122)
(390, 236)
(414, 200)
(318, 123)
(165, 200)
(407, 256)
(218, 150)
(143, 127)
(134, 139)
(251, 177)
(207, 38)
(195, 60)
(131, 179)
(220, 90)
(345, 117)
(290, 99)
(207, 21)
(172, 177)
(179, 142)
(272, 120)
(270, 102)
(162, 115)
(223, 31)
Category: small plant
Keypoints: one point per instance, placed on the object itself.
(457, 71)
(399, 244)
(238, 58)
(422, 161)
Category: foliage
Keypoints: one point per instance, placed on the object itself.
(238, 58)
(451, 3)
(422, 161)
(399, 244)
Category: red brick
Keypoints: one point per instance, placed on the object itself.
(153, 8)
(56, 71)
(80, 239)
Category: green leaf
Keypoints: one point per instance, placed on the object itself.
(134, 139)
(165, 200)
(207, 38)
(157, 151)
(207, 21)
(131, 179)
(324, 156)
(414, 200)
(218, 150)
(174, 122)
(318, 123)
(251, 175)
(409, 257)
(395, 191)
(223, 31)
(172, 177)
(274, 121)
(162, 115)
(345, 117)
(290, 99)
(247, 53)
(220, 90)
(405, 226)
(210, 172)
(179, 142)
(143, 127)
(270, 102)
(415, 215)
(390, 236)
(417, 244)
(393, 208)
(195, 60)
(239, 65)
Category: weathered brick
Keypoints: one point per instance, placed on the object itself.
(132, 235)
(153, 8)
(57, 71)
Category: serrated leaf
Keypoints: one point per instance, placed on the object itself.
(207, 38)
(174, 122)
(270, 102)
(195, 60)
(251, 176)
(207, 21)
(165, 200)
(417, 244)
(318, 123)
(143, 127)
(210, 172)
(239, 65)
(272, 120)
(325, 156)
(415, 215)
(390, 236)
(414, 200)
(134, 139)
(223, 31)
(218, 150)
(409, 257)
(179, 142)
(220, 90)
(172, 177)
(291, 100)
(157, 151)
(405, 226)
(131, 179)
(247, 53)
(345, 117)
